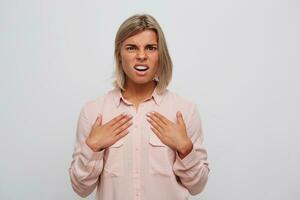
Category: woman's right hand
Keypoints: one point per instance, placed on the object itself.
(103, 136)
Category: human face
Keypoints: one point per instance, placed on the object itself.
(139, 57)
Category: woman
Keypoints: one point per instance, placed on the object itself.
(139, 140)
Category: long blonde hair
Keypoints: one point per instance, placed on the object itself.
(132, 26)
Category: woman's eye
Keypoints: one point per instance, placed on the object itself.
(151, 48)
(130, 48)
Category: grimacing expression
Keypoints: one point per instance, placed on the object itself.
(139, 57)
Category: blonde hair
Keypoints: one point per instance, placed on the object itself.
(132, 26)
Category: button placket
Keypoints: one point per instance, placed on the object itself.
(136, 155)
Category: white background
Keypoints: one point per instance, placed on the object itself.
(238, 60)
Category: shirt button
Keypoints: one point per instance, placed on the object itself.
(135, 126)
(136, 149)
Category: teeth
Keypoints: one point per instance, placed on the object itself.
(141, 68)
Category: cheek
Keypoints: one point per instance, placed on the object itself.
(126, 61)
(156, 58)
(155, 61)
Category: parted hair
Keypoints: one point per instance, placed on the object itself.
(131, 26)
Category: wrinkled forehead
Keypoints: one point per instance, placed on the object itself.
(143, 37)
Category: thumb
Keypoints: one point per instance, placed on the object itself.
(99, 120)
(179, 118)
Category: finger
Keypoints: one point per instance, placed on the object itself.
(116, 119)
(122, 128)
(179, 118)
(121, 122)
(156, 132)
(156, 119)
(155, 125)
(162, 118)
(122, 134)
(98, 121)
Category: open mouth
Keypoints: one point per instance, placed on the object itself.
(141, 68)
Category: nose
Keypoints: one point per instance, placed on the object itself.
(141, 55)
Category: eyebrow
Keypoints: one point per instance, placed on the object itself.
(136, 45)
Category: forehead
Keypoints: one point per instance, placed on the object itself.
(143, 37)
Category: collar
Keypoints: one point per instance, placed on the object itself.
(117, 97)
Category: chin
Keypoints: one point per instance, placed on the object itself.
(142, 81)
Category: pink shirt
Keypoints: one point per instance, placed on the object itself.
(139, 166)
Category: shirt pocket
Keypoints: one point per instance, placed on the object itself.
(113, 159)
(159, 162)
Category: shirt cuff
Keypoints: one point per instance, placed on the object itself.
(188, 160)
(89, 154)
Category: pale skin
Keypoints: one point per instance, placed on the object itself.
(140, 49)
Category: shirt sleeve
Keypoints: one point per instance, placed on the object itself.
(86, 165)
(193, 170)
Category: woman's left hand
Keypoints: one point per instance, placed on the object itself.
(171, 134)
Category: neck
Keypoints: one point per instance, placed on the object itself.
(138, 92)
